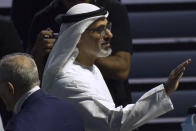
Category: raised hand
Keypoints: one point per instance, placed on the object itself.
(173, 81)
(42, 47)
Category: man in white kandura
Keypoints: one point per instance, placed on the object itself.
(70, 73)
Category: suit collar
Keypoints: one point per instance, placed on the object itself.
(22, 99)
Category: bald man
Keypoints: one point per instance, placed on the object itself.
(33, 109)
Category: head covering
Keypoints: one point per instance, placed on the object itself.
(78, 19)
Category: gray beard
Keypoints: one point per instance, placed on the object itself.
(104, 52)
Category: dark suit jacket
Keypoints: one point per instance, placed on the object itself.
(5, 115)
(41, 112)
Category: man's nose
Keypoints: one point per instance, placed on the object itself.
(109, 33)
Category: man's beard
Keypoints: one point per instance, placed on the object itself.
(104, 52)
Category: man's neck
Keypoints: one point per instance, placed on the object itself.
(18, 95)
(86, 60)
(23, 97)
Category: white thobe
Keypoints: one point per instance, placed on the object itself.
(85, 88)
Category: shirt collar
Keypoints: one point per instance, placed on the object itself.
(22, 99)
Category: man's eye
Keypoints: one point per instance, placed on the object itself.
(100, 29)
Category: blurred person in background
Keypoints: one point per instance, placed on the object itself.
(22, 13)
(190, 123)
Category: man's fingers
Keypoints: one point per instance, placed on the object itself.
(45, 34)
(180, 72)
(49, 29)
(48, 43)
(182, 69)
(179, 76)
(176, 73)
(173, 80)
(181, 66)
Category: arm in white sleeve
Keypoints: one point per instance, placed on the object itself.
(152, 104)
(101, 115)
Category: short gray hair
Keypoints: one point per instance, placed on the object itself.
(21, 74)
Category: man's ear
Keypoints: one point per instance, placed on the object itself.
(11, 88)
